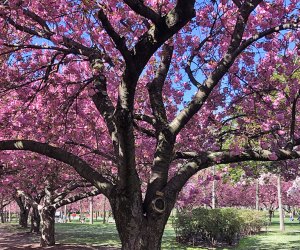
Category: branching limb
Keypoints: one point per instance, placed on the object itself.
(76, 198)
(198, 161)
(140, 8)
(81, 167)
(94, 151)
(155, 88)
(118, 40)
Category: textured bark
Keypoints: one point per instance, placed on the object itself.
(48, 226)
(23, 220)
(139, 230)
(35, 221)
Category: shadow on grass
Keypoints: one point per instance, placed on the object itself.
(97, 234)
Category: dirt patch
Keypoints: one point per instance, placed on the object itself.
(12, 237)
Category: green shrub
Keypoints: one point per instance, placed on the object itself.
(214, 226)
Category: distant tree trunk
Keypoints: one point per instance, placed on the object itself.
(257, 195)
(65, 214)
(270, 215)
(80, 211)
(48, 226)
(104, 211)
(2, 215)
(281, 218)
(213, 196)
(91, 210)
(9, 213)
(35, 220)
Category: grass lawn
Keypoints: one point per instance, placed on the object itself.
(99, 234)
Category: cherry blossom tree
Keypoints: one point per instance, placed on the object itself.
(115, 80)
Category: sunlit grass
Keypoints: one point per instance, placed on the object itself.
(100, 234)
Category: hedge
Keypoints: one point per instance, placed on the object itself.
(217, 226)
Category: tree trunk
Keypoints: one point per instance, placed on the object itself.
(104, 211)
(35, 221)
(65, 214)
(91, 210)
(137, 231)
(23, 220)
(257, 195)
(270, 216)
(281, 219)
(48, 226)
(145, 234)
(9, 213)
(213, 193)
(2, 216)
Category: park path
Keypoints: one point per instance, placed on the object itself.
(12, 238)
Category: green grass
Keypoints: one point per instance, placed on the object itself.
(96, 234)
(99, 234)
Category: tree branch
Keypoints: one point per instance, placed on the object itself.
(81, 167)
(155, 88)
(235, 48)
(140, 8)
(199, 161)
(118, 40)
(75, 198)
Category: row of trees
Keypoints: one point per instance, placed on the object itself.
(138, 96)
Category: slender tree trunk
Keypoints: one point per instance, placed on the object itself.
(104, 211)
(65, 214)
(80, 211)
(213, 193)
(48, 226)
(257, 195)
(281, 218)
(9, 212)
(2, 215)
(35, 221)
(270, 215)
(91, 210)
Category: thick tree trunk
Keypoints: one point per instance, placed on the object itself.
(23, 220)
(48, 226)
(144, 235)
(137, 231)
(35, 221)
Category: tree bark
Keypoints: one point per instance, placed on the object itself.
(257, 195)
(23, 220)
(35, 221)
(91, 210)
(48, 226)
(281, 219)
(136, 230)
